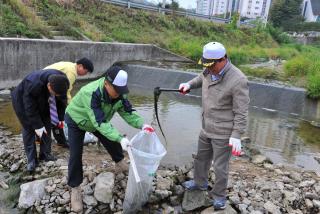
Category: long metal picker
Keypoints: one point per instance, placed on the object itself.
(157, 91)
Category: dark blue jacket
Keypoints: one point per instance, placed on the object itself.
(30, 99)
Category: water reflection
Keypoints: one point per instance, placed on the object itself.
(283, 139)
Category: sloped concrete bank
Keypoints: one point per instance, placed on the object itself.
(255, 185)
(21, 56)
(269, 96)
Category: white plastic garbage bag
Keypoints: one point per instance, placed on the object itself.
(88, 137)
(145, 155)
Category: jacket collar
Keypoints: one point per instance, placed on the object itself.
(223, 72)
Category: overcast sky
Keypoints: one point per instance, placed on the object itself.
(186, 3)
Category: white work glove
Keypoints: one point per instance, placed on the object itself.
(236, 146)
(184, 88)
(147, 128)
(125, 143)
(40, 131)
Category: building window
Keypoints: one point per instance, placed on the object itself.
(256, 14)
(248, 13)
(257, 8)
(257, 2)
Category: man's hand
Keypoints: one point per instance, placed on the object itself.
(147, 128)
(184, 88)
(40, 131)
(60, 125)
(125, 143)
(236, 146)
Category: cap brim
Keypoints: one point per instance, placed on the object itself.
(121, 89)
(206, 62)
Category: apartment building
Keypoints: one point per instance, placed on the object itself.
(204, 7)
(255, 9)
(251, 9)
(311, 10)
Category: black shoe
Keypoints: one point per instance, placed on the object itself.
(47, 157)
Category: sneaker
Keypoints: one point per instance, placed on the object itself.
(121, 166)
(76, 199)
(219, 204)
(191, 185)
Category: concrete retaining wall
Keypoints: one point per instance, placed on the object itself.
(287, 100)
(21, 56)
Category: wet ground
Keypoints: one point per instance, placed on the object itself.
(282, 138)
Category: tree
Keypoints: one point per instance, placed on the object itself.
(286, 13)
(174, 5)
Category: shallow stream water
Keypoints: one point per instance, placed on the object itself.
(282, 138)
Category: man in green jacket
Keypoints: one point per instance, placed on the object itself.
(91, 110)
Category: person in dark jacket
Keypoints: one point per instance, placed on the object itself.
(39, 100)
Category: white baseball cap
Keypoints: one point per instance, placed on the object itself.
(211, 52)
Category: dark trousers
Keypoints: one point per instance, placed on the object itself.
(29, 138)
(58, 134)
(75, 138)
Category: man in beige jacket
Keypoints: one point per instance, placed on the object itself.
(225, 102)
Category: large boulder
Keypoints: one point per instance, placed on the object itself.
(195, 199)
(32, 192)
(104, 186)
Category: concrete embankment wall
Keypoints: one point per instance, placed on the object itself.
(283, 99)
(19, 57)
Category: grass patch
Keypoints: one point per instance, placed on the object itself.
(12, 25)
(31, 20)
(265, 73)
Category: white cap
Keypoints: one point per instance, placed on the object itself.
(213, 50)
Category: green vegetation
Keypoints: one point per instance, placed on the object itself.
(12, 25)
(104, 22)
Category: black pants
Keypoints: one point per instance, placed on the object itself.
(29, 138)
(75, 138)
(58, 134)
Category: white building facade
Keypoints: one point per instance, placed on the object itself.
(253, 9)
(204, 7)
(311, 10)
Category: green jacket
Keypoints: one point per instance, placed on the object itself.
(92, 109)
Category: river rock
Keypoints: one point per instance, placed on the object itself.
(309, 203)
(307, 183)
(87, 190)
(164, 183)
(195, 199)
(259, 159)
(311, 195)
(31, 192)
(15, 167)
(90, 200)
(104, 186)
(270, 207)
(316, 203)
(3, 185)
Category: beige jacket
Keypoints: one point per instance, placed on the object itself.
(225, 103)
